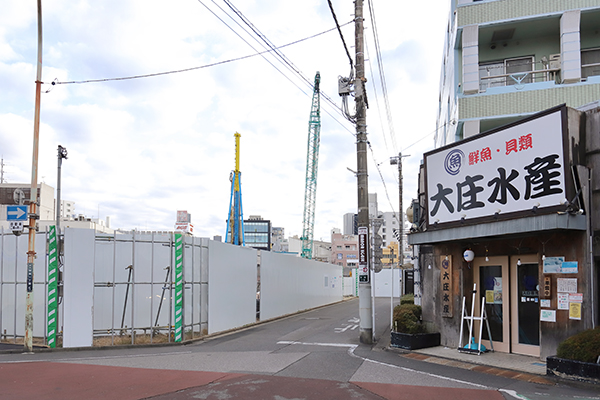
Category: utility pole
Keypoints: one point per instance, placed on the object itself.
(364, 288)
(28, 341)
(393, 161)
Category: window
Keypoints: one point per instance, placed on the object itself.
(590, 62)
(511, 71)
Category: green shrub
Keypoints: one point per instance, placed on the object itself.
(584, 346)
(407, 299)
(407, 319)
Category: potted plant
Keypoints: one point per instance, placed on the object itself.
(577, 357)
(408, 332)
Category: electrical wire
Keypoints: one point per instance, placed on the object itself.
(387, 195)
(286, 61)
(280, 55)
(57, 82)
(341, 35)
(382, 76)
(376, 98)
(349, 81)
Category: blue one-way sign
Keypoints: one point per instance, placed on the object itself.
(16, 213)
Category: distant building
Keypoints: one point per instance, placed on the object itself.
(278, 241)
(46, 209)
(67, 209)
(344, 251)
(373, 208)
(321, 249)
(350, 224)
(9, 192)
(257, 233)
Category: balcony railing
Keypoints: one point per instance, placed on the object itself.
(518, 79)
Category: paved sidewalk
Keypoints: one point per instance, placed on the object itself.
(64, 381)
(514, 362)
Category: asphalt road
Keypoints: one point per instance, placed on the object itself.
(318, 349)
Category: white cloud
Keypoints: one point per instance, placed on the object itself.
(141, 149)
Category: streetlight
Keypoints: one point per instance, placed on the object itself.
(62, 153)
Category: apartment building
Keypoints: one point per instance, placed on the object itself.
(507, 59)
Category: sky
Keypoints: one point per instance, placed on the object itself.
(141, 149)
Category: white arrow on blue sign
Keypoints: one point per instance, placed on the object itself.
(16, 213)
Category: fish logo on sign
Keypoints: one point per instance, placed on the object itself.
(453, 161)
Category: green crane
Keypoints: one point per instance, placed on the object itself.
(312, 166)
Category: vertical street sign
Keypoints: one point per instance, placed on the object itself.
(178, 287)
(363, 267)
(52, 315)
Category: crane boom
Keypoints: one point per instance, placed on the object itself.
(312, 166)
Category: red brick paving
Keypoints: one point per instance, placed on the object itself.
(64, 381)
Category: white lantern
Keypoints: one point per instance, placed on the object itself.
(469, 255)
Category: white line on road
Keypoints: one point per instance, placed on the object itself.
(96, 358)
(514, 394)
(352, 347)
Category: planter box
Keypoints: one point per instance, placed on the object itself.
(415, 341)
(571, 369)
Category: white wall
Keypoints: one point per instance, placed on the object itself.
(13, 264)
(290, 284)
(220, 284)
(232, 286)
(350, 284)
(78, 278)
(383, 283)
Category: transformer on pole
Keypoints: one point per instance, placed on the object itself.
(235, 220)
(312, 166)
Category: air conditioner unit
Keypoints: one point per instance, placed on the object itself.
(554, 62)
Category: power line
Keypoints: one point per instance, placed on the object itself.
(57, 82)
(387, 195)
(281, 56)
(341, 35)
(377, 99)
(382, 75)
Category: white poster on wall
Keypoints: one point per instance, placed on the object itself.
(515, 169)
(548, 315)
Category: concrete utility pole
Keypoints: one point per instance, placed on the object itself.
(394, 161)
(33, 216)
(364, 288)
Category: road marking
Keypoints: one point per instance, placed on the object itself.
(352, 347)
(96, 358)
(340, 330)
(353, 325)
(513, 394)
